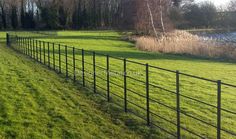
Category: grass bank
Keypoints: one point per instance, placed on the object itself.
(37, 103)
(110, 42)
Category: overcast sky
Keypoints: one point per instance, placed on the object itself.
(217, 2)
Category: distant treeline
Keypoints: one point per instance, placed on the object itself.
(204, 15)
(79, 14)
(59, 14)
(144, 16)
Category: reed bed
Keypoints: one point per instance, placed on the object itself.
(182, 42)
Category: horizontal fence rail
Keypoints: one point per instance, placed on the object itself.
(149, 104)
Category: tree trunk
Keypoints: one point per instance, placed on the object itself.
(151, 18)
(161, 15)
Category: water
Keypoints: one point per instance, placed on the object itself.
(222, 37)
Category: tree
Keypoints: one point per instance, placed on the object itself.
(152, 16)
(62, 17)
(231, 14)
(22, 14)
(232, 5)
(176, 2)
(3, 13)
(203, 15)
(14, 17)
(208, 13)
(66, 14)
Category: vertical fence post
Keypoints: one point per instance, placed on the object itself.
(31, 49)
(24, 45)
(108, 79)
(147, 95)
(19, 43)
(37, 55)
(21, 40)
(7, 35)
(44, 51)
(53, 52)
(74, 71)
(40, 51)
(48, 56)
(59, 53)
(27, 46)
(34, 53)
(178, 104)
(8, 40)
(94, 72)
(34, 48)
(66, 62)
(125, 86)
(218, 109)
(21, 47)
(83, 68)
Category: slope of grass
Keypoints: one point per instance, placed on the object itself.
(37, 103)
(109, 42)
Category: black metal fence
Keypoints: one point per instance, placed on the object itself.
(156, 103)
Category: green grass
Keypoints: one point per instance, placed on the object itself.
(37, 103)
(109, 42)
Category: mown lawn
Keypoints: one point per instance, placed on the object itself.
(110, 42)
(37, 103)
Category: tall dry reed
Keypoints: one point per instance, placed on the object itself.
(182, 42)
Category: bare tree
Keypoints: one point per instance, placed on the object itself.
(151, 18)
(232, 5)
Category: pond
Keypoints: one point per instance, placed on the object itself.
(222, 37)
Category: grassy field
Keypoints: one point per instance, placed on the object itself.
(110, 42)
(37, 103)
